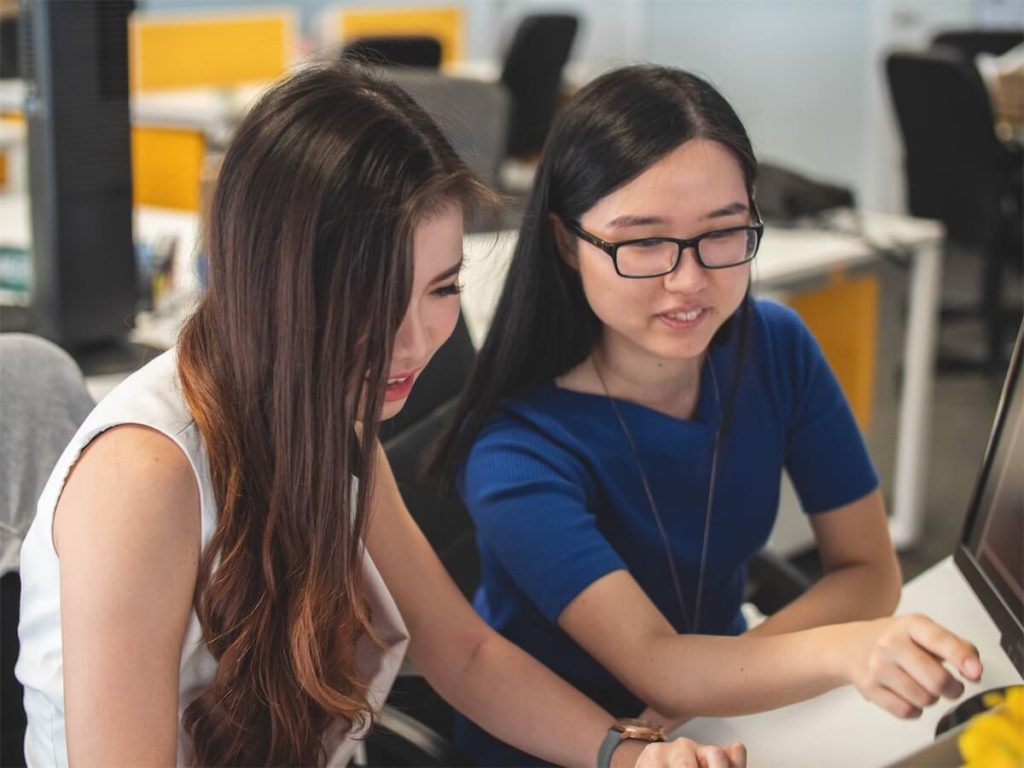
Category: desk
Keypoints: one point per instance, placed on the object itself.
(796, 259)
(149, 224)
(214, 111)
(840, 728)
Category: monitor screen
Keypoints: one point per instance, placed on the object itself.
(991, 549)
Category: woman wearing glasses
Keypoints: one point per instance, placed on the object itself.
(621, 442)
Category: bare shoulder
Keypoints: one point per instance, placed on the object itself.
(134, 483)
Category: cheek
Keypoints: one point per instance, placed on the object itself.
(440, 321)
(617, 301)
(733, 285)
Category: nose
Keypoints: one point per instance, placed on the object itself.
(689, 275)
(412, 342)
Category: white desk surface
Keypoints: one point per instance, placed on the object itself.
(843, 730)
(211, 110)
(214, 111)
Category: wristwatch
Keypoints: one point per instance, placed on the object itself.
(622, 729)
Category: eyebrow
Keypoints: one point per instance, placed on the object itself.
(450, 272)
(627, 221)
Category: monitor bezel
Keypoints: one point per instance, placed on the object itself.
(1002, 614)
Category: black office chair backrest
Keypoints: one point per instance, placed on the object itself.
(420, 51)
(532, 72)
(953, 160)
(971, 42)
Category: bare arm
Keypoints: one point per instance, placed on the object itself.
(467, 662)
(862, 575)
(127, 532)
(894, 662)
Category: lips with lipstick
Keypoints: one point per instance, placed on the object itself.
(399, 386)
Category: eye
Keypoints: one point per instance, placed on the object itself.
(451, 289)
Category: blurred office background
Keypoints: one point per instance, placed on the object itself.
(814, 81)
(864, 111)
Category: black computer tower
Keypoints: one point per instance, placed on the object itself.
(75, 64)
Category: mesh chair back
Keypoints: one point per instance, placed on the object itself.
(532, 73)
(953, 159)
(472, 113)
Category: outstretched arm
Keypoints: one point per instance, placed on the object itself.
(861, 574)
(896, 663)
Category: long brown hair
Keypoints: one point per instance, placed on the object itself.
(309, 248)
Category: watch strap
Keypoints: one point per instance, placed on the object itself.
(608, 745)
(626, 729)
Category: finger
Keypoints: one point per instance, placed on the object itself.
(893, 704)
(928, 671)
(712, 757)
(906, 687)
(737, 754)
(947, 646)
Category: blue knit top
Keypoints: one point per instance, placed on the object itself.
(558, 501)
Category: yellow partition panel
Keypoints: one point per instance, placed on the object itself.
(444, 23)
(15, 117)
(843, 316)
(166, 167)
(208, 50)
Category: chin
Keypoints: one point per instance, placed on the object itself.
(392, 409)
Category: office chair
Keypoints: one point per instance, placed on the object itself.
(971, 42)
(417, 51)
(959, 172)
(532, 72)
(43, 400)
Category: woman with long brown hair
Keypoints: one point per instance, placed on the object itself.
(221, 570)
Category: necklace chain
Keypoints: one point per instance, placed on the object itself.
(694, 625)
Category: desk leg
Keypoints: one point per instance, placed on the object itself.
(916, 396)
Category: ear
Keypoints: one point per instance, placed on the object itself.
(564, 241)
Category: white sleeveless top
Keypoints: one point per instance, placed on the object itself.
(152, 397)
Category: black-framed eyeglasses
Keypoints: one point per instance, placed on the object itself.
(656, 256)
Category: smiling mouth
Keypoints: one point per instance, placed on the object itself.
(685, 317)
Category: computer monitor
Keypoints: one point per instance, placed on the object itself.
(991, 549)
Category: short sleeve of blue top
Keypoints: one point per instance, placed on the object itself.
(558, 501)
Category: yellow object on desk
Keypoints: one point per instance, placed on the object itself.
(176, 51)
(444, 23)
(995, 739)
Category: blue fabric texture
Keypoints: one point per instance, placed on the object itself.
(558, 501)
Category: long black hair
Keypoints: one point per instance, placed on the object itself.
(614, 129)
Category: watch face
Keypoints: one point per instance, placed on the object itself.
(631, 728)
